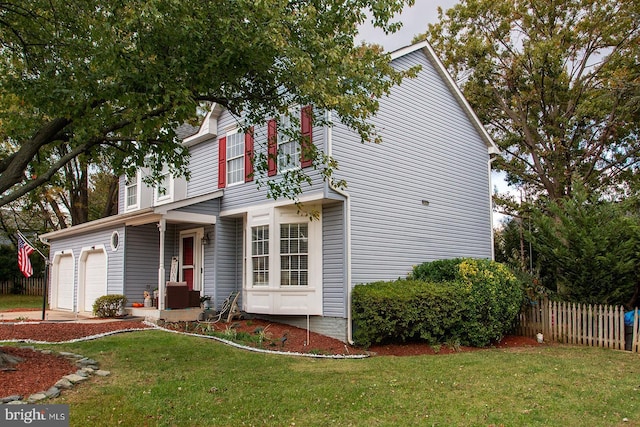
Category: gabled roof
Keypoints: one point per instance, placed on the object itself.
(427, 49)
(208, 128)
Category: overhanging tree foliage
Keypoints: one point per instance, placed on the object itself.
(557, 83)
(114, 79)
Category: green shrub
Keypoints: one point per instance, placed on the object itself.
(494, 299)
(109, 305)
(405, 310)
(471, 301)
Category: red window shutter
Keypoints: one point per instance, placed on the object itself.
(248, 155)
(222, 162)
(272, 151)
(306, 125)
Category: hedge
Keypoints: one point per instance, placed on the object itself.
(474, 302)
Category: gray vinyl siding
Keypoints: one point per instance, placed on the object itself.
(203, 165)
(142, 260)
(333, 260)
(115, 259)
(210, 207)
(431, 152)
(228, 270)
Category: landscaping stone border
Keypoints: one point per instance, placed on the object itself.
(86, 368)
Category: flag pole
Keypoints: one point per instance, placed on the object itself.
(46, 275)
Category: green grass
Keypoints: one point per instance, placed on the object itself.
(165, 379)
(10, 301)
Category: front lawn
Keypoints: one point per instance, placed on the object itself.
(11, 301)
(165, 379)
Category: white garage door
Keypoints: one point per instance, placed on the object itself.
(64, 283)
(95, 278)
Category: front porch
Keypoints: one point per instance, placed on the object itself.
(153, 314)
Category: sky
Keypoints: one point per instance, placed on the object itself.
(415, 20)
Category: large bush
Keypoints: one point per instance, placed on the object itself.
(404, 310)
(471, 301)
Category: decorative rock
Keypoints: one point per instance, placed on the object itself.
(10, 398)
(86, 362)
(36, 397)
(52, 392)
(102, 373)
(82, 373)
(46, 351)
(64, 384)
(66, 354)
(16, 402)
(88, 370)
(74, 378)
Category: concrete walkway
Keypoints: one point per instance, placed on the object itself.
(56, 316)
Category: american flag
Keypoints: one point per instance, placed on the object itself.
(24, 250)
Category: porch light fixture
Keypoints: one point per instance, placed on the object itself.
(425, 203)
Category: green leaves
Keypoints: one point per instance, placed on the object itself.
(123, 74)
(546, 79)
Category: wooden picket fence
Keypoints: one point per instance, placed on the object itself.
(31, 286)
(580, 324)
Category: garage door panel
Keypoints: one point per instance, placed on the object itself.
(95, 280)
(64, 283)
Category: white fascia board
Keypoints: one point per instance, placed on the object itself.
(208, 128)
(426, 47)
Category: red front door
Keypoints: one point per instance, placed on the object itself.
(188, 262)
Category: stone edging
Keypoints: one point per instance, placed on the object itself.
(86, 368)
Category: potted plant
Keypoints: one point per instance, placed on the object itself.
(205, 302)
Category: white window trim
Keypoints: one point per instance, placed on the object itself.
(168, 196)
(275, 298)
(127, 185)
(228, 159)
(294, 111)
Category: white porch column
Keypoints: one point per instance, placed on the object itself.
(162, 227)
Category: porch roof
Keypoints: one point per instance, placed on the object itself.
(169, 212)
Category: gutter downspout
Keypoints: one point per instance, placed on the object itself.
(329, 134)
(492, 157)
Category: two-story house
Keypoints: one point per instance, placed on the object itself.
(423, 194)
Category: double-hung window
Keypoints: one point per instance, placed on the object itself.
(131, 192)
(294, 254)
(260, 255)
(164, 188)
(235, 157)
(288, 150)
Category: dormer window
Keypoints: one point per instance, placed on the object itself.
(164, 188)
(132, 192)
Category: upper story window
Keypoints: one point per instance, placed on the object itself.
(288, 150)
(235, 158)
(132, 192)
(290, 140)
(164, 188)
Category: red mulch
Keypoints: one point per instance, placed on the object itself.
(39, 371)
